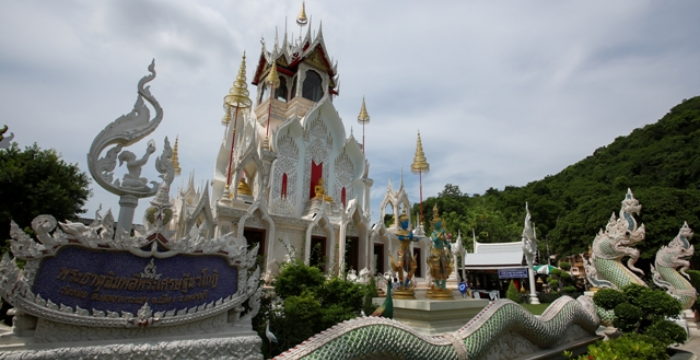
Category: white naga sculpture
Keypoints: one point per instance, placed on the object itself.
(530, 251)
(123, 132)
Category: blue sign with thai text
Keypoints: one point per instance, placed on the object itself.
(519, 273)
(120, 281)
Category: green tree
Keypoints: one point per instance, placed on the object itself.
(35, 182)
(512, 294)
(659, 162)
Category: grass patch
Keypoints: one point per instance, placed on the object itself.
(537, 309)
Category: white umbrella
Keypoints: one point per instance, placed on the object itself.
(543, 269)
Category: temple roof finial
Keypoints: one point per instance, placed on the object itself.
(238, 94)
(174, 158)
(420, 163)
(301, 18)
(273, 78)
(363, 118)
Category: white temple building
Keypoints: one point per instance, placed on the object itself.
(287, 175)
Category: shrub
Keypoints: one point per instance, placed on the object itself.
(634, 291)
(553, 284)
(513, 293)
(643, 310)
(344, 293)
(627, 317)
(570, 289)
(296, 277)
(555, 272)
(306, 305)
(657, 302)
(667, 332)
(565, 265)
(545, 298)
(628, 346)
(609, 298)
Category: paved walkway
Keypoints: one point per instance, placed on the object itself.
(692, 345)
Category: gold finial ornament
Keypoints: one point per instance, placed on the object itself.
(363, 118)
(436, 216)
(301, 18)
(420, 163)
(174, 158)
(238, 95)
(273, 78)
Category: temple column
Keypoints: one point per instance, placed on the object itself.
(368, 184)
(531, 277)
(341, 246)
(127, 207)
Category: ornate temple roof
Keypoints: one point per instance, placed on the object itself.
(290, 54)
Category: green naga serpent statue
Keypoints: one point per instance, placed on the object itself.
(604, 269)
(671, 257)
(502, 330)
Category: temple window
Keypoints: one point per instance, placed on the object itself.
(283, 195)
(293, 93)
(313, 86)
(342, 197)
(316, 173)
(281, 91)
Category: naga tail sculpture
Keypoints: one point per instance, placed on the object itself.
(502, 330)
(122, 132)
(671, 257)
(615, 243)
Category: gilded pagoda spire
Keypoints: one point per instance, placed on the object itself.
(174, 158)
(301, 18)
(420, 166)
(273, 79)
(363, 118)
(420, 163)
(238, 95)
(236, 99)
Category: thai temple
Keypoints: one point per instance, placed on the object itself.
(290, 183)
(288, 176)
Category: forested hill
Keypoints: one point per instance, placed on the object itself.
(660, 163)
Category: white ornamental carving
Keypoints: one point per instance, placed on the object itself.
(239, 347)
(344, 171)
(287, 160)
(318, 144)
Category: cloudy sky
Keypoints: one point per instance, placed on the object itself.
(503, 93)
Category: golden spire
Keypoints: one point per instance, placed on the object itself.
(238, 94)
(420, 163)
(363, 118)
(174, 158)
(272, 78)
(301, 18)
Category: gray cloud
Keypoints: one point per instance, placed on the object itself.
(503, 95)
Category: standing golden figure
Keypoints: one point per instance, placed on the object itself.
(441, 260)
(407, 264)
